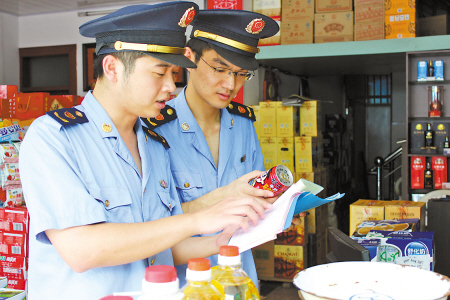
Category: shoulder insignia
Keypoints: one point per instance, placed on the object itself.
(166, 115)
(68, 116)
(241, 110)
(156, 137)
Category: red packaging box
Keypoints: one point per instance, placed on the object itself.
(14, 273)
(29, 105)
(17, 284)
(8, 94)
(13, 243)
(60, 101)
(439, 166)
(15, 220)
(417, 172)
(18, 262)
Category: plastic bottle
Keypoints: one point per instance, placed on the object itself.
(199, 286)
(161, 283)
(236, 283)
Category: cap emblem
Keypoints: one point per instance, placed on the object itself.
(255, 26)
(187, 18)
(159, 117)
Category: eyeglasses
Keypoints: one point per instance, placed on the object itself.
(226, 73)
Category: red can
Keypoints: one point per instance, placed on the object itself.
(277, 179)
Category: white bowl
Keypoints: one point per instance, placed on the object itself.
(370, 280)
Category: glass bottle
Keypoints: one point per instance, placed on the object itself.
(428, 184)
(429, 136)
(430, 69)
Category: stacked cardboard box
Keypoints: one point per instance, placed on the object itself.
(272, 9)
(333, 21)
(369, 20)
(400, 19)
(297, 22)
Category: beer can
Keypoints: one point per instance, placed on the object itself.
(277, 179)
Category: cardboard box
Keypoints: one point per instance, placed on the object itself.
(285, 152)
(14, 273)
(17, 284)
(11, 261)
(8, 95)
(363, 228)
(400, 26)
(333, 27)
(417, 136)
(422, 70)
(297, 32)
(263, 255)
(325, 6)
(269, 151)
(435, 25)
(273, 40)
(13, 243)
(295, 10)
(371, 245)
(303, 154)
(363, 210)
(270, 8)
(14, 219)
(257, 123)
(369, 14)
(406, 248)
(368, 2)
(397, 210)
(13, 294)
(289, 260)
(309, 118)
(268, 118)
(287, 120)
(417, 172)
(306, 175)
(369, 31)
(393, 7)
(439, 166)
(311, 221)
(295, 236)
(441, 131)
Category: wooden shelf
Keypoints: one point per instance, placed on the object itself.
(44, 89)
(362, 57)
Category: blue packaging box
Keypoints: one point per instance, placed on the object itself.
(439, 69)
(371, 245)
(422, 71)
(405, 248)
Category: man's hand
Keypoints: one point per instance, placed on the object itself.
(229, 213)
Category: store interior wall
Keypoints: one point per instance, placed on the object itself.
(9, 49)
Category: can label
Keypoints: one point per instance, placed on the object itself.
(277, 179)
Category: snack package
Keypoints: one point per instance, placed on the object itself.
(363, 228)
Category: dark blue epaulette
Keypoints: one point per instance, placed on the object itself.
(241, 110)
(68, 116)
(166, 115)
(156, 137)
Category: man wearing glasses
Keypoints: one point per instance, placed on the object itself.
(214, 150)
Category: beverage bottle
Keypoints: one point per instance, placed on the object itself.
(236, 283)
(160, 283)
(199, 286)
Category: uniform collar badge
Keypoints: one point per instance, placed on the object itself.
(106, 127)
(187, 17)
(255, 26)
(163, 184)
(185, 126)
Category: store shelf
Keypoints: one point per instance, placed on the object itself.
(436, 82)
(362, 57)
(431, 119)
(427, 155)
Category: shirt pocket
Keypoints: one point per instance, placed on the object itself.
(189, 184)
(168, 204)
(116, 202)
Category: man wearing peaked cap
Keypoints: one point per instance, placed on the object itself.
(98, 186)
(214, 148)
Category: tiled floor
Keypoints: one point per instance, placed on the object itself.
(273, 290)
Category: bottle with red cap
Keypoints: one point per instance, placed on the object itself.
(199, 286)
(161, 283)
(236, 283)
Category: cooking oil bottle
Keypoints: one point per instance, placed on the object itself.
(199, 286)
(161, 283)
(236, 283)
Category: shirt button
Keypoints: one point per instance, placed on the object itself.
(153, 261)
(170, 205)
(186, 185)
(145, 189)
(107, 203)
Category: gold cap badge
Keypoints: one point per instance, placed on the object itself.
(187, 17)
(255, 26)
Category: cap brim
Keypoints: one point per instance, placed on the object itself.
(242, 61)
(175, 59)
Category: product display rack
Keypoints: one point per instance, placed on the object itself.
(417, 108)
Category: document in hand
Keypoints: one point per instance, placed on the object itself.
(300, 197)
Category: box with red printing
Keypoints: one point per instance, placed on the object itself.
(8, 94)
(13, 243)
(11, 261)
(17, 284)
(14, 219)
(14, 273)
(369, 14)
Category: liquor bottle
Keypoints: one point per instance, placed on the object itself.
(430, 69)
(446, 143)
(428, 184)
(429, 136)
